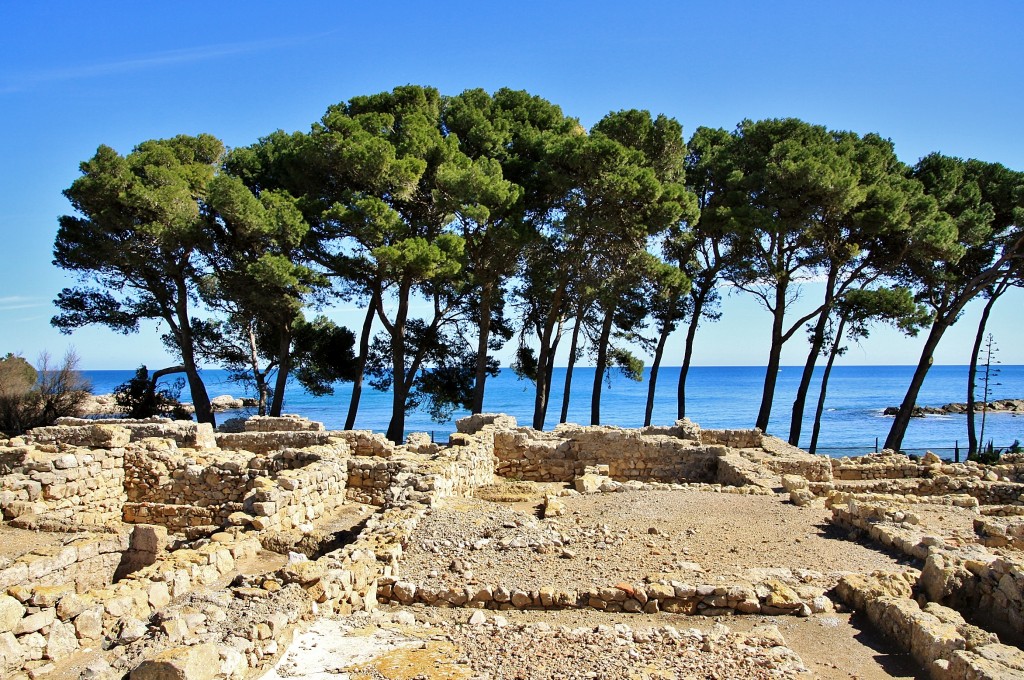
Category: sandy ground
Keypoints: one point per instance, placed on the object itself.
(691, 536)
(16, 542)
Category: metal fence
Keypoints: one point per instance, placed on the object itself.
(954, 453)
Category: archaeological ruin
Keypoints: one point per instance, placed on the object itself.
(164, 549)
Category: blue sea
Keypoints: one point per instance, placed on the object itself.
(718, 397)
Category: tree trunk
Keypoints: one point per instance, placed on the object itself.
(816, 429)
(691, 333)
(899, 426)
(481, 348)
(658, 352)
(972, 374)
(601, 365)
(364, 350)
(569, 368)
(399, 393)
(284, 358)
(817, 342)
(170, 370)
(200, 397)
(545, 362)
(771, 375)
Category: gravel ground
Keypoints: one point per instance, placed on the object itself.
(692, 536)
(526, 647)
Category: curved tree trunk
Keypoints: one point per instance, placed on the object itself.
(364, 350)
(820, 408)
(601, 366)
(200, 397)
(481, 348)
(817, 342)
(972, 374)
(771, 375)
(899, 426)
(666, 330)
(284, 358)
(684, 368)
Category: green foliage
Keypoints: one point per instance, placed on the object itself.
(139, 397)
(323, 355)
(32, 398)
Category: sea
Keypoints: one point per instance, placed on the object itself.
(718, 397)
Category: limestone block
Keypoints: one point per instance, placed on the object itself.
(200, 662)
(35, 622)
(11, 652)
(61, 641)
(11, 613)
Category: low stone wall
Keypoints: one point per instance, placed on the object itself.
(937, 637)
(85, 562)
(262, 443)
(366, 443)
(294, 497)
(65, 483)
(466, 464)
(987, 492)
(279, 491)
(773, 597)
(967, 578)
(736, 439)
(565, 454)
(184, 433)
(285, 423)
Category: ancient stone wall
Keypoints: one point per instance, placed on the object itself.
(184, 433)
(178, 490)
(267, 442)
(63, 482)
(629, 455)
(736, 439)
(366, 443)
(285, 423)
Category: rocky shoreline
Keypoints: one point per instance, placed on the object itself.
(998, 406)
(104, 405)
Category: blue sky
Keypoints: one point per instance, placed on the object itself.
(932, 76)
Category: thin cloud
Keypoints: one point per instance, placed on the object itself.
(10, 303)
(149, 61)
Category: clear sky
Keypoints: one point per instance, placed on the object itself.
(931, 76)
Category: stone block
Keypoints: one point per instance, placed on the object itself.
(11, 613)
(199, 662)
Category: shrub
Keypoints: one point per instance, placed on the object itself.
(31, 397)
(140, 398)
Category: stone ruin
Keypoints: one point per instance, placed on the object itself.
(166, 549)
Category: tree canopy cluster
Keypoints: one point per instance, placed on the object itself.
(462, 223)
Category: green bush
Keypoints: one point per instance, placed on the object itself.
(140, 398)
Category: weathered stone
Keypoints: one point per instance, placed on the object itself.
(11, 613)
(60, 641)
(34, 622)
(200, 662)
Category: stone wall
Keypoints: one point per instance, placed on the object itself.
(184, 433)
(965, 578)
(268, 442)
(938, 638)
(406, 475)
(285, 423)
(179, 489)
(63, 482)
(736, 439)
(566, 453)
